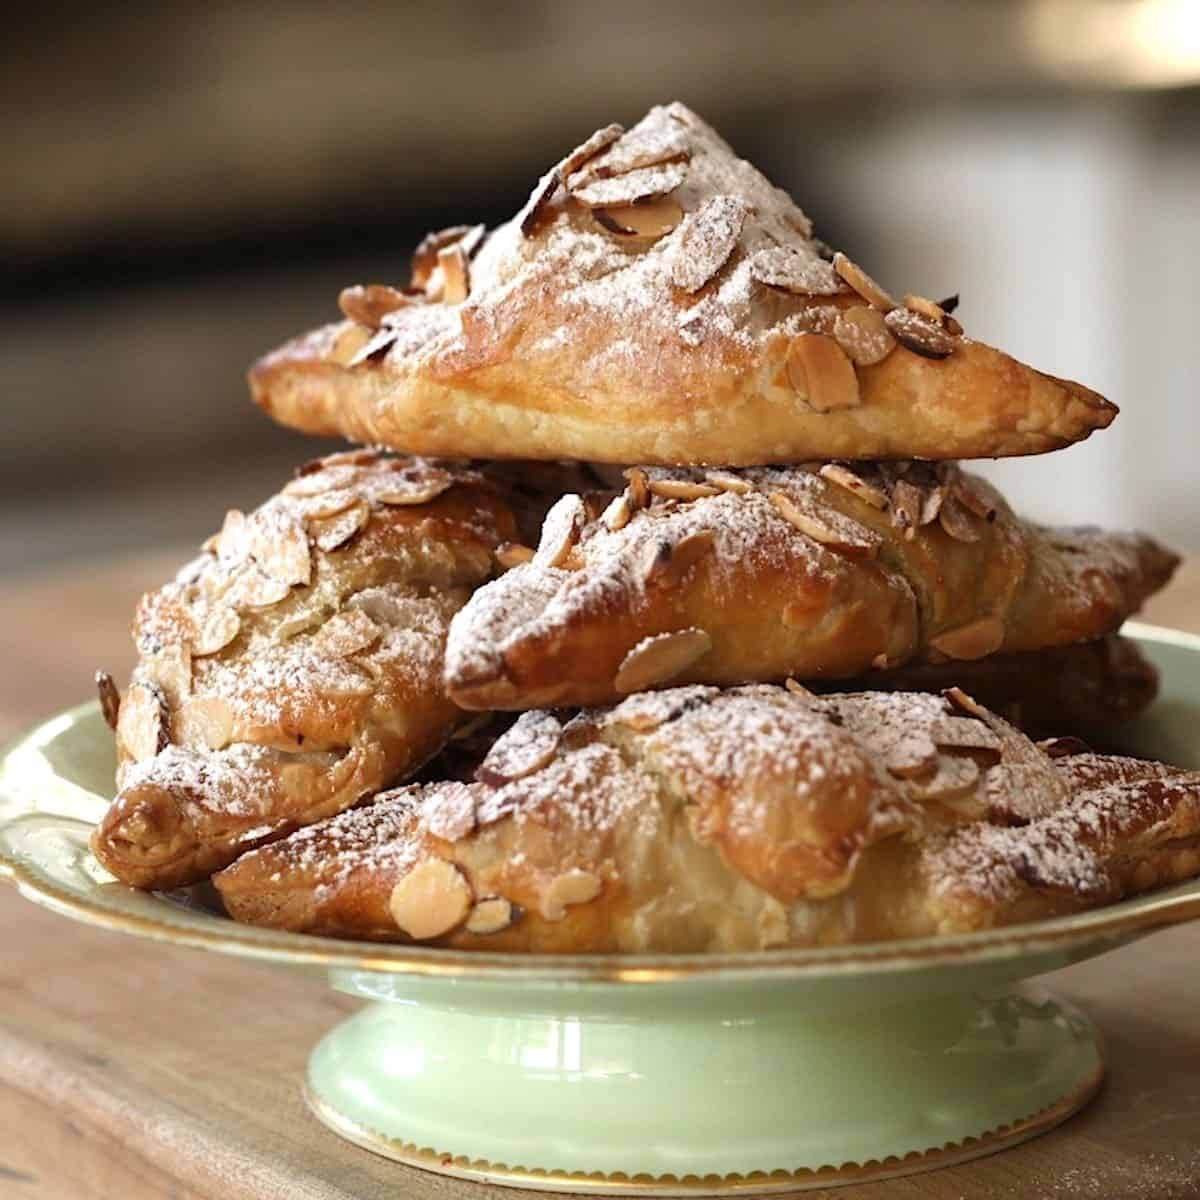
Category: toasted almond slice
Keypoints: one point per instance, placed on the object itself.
(1063, 747)
(907, 502)
(492, 914)
(429, 486)
(832, 530)
(925, 308)
(968, 704)
(616, 515)
(844, 477)
(798, 689)
(863, 334)
(525, 748)
(333, 533)
(635, 150)
(110, 699)
(327, 504)
(513, 554)
(931, 504)
(668, 562)
(215, 628)
(955, 777)
(323, 479)
(586, 151)
(255, 589)
(142, 726)
(681, 489)
(862, 283)
(639, 488)
(632, 186)
(347, 343)
(793, 271)
(204, 722)
(432, 899)
(958, 732)
(649, 220)
(914, 755)
(528, 218)
(233, 542)
(346, 633)
(660, 658)
(728, 482)
(456, 281)
(954, 520)
(971, 499)
(571, 887)
(377, 343)
(706, 241)
(425, 256)
(977, 639)
(449, 811)
(280, 547)
(369, 303)
(819, 370)
(919, 334)
(560, 530)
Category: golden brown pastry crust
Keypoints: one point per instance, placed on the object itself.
(295, 667)
(720, 336)
(758, 574)
(699, 820)
(1086, 690)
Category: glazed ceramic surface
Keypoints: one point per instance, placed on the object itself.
(649, 1073)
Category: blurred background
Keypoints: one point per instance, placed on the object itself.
(186, 185)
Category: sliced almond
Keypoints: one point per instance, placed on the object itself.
(919, 334)
(862, 283)
(492, 914)
(726, 481)
(110, 699)
(255, 589)
(569, 888)
(819, 370)
(346, 633)
(907, 503)
(143, 723)
(525, 748)
(616, 515)
(681, 489)
(324, 479)
(632, 186)
(955, 777)
(376, 344)
(1064, 747)
(846, 478)
(425, 256)
(233, 542)
(280, 547)
(798, 689)
(560, 530)
(204, 721)
(658, 659)
(971, 499)
(954, 520)
(649, 220)
(530, 215)
(639, 488)
(449, 811)
(428, 486)
(456, 282)
(215, 628)
(912, 756)
(369, 303)
(347, 343)
(641, 147)
(706, 241)
(832, 530)
(925, 308)
(513, 554)
(171, 669)
(327, 504)
(971, 641)
(586, 151)
(968, 704)
(335, 532)
(668, 562)
(432, 899)
(791, 270)
(931, 504)
(863, 334)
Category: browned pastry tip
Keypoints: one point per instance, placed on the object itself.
(696, 819)
(295, 667)
(820, 571)
(668, 311)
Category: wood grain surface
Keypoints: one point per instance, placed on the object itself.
(135, 1071)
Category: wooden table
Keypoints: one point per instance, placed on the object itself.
(135, 1071)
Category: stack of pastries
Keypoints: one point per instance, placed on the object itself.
(688, 632)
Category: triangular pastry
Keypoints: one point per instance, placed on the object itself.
(296, 666)
(817, 571)
(760, 817)
(659, 301)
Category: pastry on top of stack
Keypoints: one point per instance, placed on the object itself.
(783, 503)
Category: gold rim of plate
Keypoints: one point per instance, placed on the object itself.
(753, 1183)
(102, 905)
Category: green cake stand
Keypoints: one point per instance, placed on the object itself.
(667, 1074)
